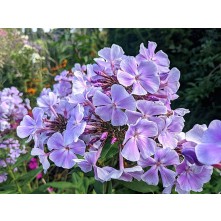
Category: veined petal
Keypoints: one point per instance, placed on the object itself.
(78, 147)
(150, 108)
(125, 78)
(116, 52)
(56, 141)
(105, 112)
(118, 93)
(101, 99)
(196, 133)
(146, 146)
(168, 176)
(25, 131)
(138, 89)
(118, 117)
(127, 103)
(105, 53)
(130, 150)
(213, 135)
(129, 65)
(133, 116)
(151, 176)
(146, 162)
(208, 153)
(162, 60)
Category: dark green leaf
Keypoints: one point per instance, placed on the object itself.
(139, 186)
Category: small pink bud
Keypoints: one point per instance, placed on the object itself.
(104, 136)
(114, 139)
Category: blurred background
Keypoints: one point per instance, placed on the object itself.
(30, 58)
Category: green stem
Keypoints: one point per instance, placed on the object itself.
(28, 184)
(10, 171)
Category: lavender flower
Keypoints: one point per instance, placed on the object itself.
(62, 151)
(148, 54)
(162, 158)
(28, 125)
(110, 58)
(43, 157)
(192, 177)
(137, 138)
(148, 109)
(109, 109)
(209, 151)
(143, 77)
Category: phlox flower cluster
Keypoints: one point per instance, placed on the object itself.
(12, 111)
(114, 117)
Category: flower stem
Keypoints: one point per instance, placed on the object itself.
(10, 171)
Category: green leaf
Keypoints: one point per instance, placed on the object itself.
(109, 150)
(109, 187)
(21, 159)
(139, 186)
(99, 187)
(59, 185)
(28, 177)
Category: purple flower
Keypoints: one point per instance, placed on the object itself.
(48, 102)
(43, 157)
(126, 174)
(75, 125)
(148, 109)
(148, 54)
(90, 159)
(172, 125)
(63, 88)
(3, 177)
(111, 109)
(192, 177)
(167, 190)
(62, 151)
(137, 139)
(162, 158)
(188, 151)
(28, 125)
(209, 151)
(196, 133)
(80, 84)
(110, 58)
(172, 84)
(143, 77)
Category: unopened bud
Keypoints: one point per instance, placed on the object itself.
(114, 139)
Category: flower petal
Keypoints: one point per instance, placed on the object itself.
(213, 135)
(104, 112)
(56, 141)
(118, 117)
(209, 153)
(100, 98)
(151, 176)
(132, 116)
(130, 150)
(151, 108)
(125, 78)
(168, 176)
